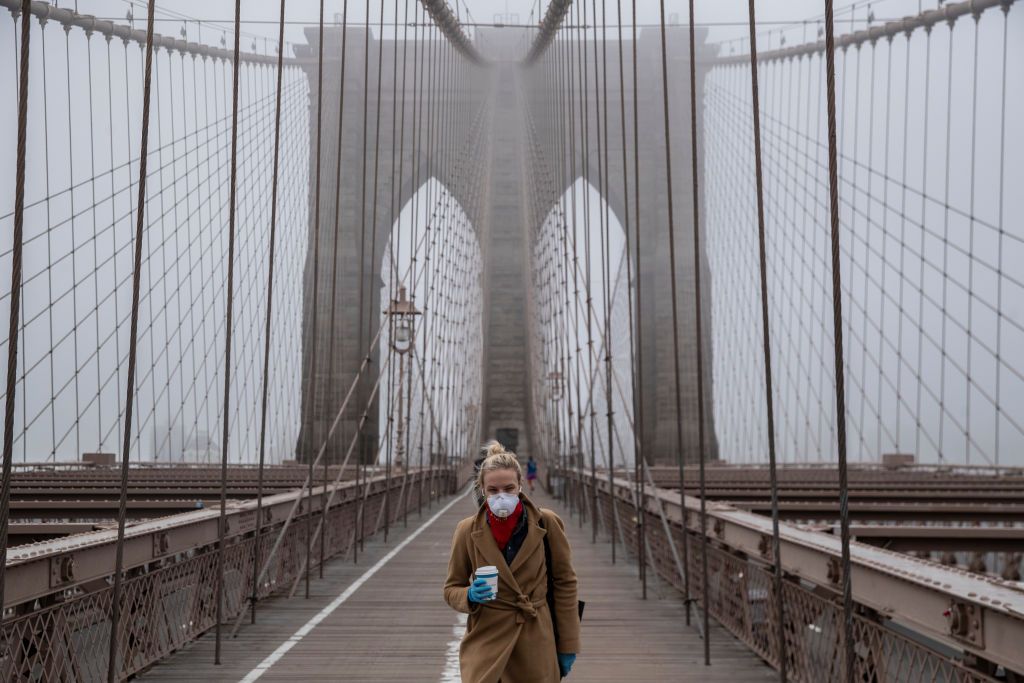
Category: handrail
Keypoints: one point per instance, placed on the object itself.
(921, 595)
(52, 566)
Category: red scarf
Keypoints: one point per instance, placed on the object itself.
(502, 529)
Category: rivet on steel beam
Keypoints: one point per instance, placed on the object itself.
(834, 571)
(719, 528)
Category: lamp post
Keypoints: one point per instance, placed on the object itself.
(402, 313)
(555, 387)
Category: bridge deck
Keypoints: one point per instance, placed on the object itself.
(395, 627)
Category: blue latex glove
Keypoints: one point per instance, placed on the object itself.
(479, 591)
(565, 662)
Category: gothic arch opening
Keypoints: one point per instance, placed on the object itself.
(431, 380)
(583, 280)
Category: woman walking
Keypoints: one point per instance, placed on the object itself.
(529, 631)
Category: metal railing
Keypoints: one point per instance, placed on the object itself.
(915, 620)
(57, 619)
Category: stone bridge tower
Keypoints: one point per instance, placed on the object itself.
(501, 221)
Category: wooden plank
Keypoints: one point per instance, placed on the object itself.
(396, 627)
(626, 638)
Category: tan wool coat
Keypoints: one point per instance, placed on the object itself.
(511, 638)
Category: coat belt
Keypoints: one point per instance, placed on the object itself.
(523, 606)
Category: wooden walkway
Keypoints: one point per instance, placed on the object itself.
(394, 625)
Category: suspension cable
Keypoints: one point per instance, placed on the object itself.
(639, 463)
(837, 308)
(780, 613)
(267, 329)
(222, 525)
(335, 259)
(15, 314)
(310, 398)
(115, 605)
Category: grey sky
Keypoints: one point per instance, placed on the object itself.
(798, 19)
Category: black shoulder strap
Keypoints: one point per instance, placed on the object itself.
(551, 577)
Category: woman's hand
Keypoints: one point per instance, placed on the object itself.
(565, 662)
(480, 591)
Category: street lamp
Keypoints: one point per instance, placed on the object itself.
(555, 385)
(402, 314)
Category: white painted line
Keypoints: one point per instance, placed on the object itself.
(308, 627)
(452, 670)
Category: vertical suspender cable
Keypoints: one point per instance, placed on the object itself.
(270, 305)
(416, 113)
(837, 322)
(697, 297)
(115, 606)
(16, 265)
(1002, 232)
(607, 266)
(672, 256)
(587, 280)
(580, 81)
(639, 460)
(370, 323)
(393, 269)
(630, 270)
(314, 309)
(766, 334)
(396, 237)
(361, 448)
(568, 179)
(227, 334)
(334, 265)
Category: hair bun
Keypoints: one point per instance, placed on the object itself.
(494, 448)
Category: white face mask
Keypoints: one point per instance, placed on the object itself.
(503, 504)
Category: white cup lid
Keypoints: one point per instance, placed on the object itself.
(487, 570)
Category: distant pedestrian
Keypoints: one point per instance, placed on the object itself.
(531, 472)
(528, 630)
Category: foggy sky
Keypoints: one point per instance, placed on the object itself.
(305, 11)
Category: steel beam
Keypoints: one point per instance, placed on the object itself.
(47, 567)
(917, 594)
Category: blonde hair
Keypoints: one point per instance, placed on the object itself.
(497, 458)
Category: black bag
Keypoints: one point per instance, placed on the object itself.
(551, 583)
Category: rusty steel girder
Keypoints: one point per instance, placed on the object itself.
(55, 566)
(920, 596)
(171, 565)
(923, 538)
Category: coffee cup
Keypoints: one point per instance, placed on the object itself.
(490, 575)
